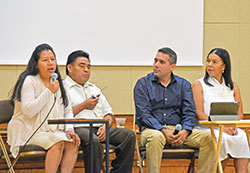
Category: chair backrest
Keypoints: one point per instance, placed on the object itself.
(6, 111)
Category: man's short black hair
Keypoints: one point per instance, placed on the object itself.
(74, 55)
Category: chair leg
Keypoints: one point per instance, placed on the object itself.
(103, 167)
(140, 161)
(191, 164)
(5, 153)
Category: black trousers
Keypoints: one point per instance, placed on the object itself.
(124, 141)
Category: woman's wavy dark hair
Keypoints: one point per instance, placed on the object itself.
(32, 69)
(225, 57)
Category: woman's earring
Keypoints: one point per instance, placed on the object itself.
(222, 71)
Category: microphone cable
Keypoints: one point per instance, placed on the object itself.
(22, 149)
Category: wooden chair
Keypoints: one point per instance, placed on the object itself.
(169, 152)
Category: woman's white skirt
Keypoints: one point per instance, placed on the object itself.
(235, 146)
(47, 139)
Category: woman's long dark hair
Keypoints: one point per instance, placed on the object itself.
(225, 57)
(33, 70)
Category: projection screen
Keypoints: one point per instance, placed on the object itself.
(114, 32)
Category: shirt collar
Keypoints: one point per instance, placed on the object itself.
(72, 83)
(155, 79)
(215, 82)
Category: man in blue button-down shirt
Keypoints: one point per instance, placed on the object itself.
(163, 100)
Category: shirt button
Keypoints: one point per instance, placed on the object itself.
(166, 99)
(164, 114)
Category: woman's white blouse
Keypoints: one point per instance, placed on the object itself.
(219, 92)
(36, 101)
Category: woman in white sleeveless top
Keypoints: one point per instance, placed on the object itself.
(34, 96)
(217, 86)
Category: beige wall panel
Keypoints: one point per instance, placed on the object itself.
(62, 71)
(190, 73)
(225, 36)
(221, 10)
(139, 72)
(245, 11)
(244, 66)
(8, 79)
(118, 83)
(20, 69)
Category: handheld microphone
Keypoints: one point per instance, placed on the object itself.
(53, 77)
(178, 127)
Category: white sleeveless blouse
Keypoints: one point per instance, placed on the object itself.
(236, 146)
(217, 93)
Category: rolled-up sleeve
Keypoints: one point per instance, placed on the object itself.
(144, 114)
(106, 108)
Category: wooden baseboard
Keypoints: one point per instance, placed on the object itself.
(246, 116)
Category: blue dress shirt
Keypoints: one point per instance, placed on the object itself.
(157, 105)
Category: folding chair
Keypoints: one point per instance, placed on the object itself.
(30, 152)
(169, 152)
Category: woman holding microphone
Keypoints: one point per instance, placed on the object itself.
(36, 97)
